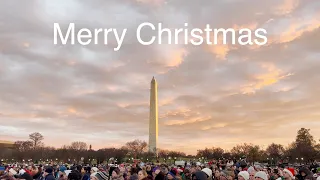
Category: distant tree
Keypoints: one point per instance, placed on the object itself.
(174, 154)
(305, 145)
(23, 149)
(241, 150)
(227, 155)
(79, 146)
(275, 151)
(206, 153)
(211, 153)
(217, 152)
(136, 147)
(36, 138)
(162, 153)
(23, 146)
(253, 153)
(107, 153)
(250, 151)
(148, 156)
(290, 151)
(317, 148)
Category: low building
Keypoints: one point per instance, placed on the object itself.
(6, 144)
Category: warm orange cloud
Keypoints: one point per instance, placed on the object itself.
(296, 29)
(72, 110)
(286, 7)
(187, 121)
(272, 76)
(26, 44)
(220, 50)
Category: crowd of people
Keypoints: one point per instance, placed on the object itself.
(150, 171)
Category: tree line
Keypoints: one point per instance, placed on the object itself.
(304, 148)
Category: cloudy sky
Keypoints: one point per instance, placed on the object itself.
(209, 95)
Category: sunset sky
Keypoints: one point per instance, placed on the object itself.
(209, 95)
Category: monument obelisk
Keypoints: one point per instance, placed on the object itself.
(153, 117)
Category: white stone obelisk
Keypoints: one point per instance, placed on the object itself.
(153, 117)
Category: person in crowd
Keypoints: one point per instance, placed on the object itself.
(305, 174)
(48, 174)
(12, 172)
(134, 177)
(1, 172)
(243, 175)
(208, 173)
(275, 175)
(288, 174)
(142, 175)
(76, 170)
(170, 176)
(62, 173)
(252, 173)
(99, 176)
(199, 175)
(164, 170)
(6, 177)
(149, 170)
(23, 175)
(187, 174)
(261, 175)
(159, 175)
(86, 173)
(73, 176)
(94, 170)
(28, 170)
(35, 173)
(217, 174)
(116, 175)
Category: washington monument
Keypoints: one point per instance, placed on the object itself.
(153, 117)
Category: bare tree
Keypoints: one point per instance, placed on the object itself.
(136, 147)
(23, 146)
(36, 138)
(80, 146)
(275, 151)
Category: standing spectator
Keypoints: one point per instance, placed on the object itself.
(243, 175)
(48, 174)
(288, 174)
